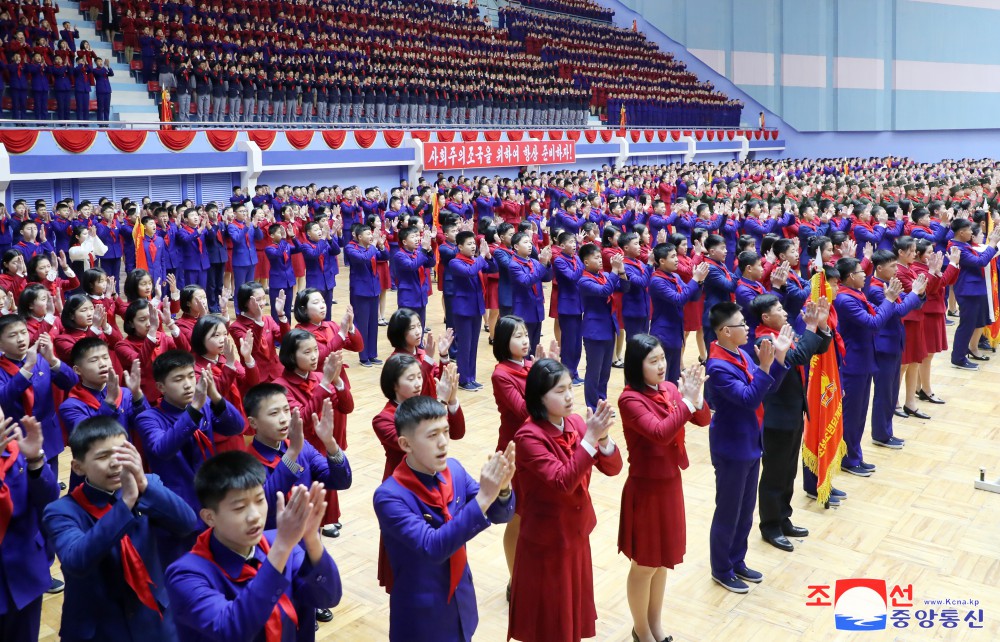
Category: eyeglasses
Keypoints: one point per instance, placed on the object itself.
(739, 325)
(858, 272)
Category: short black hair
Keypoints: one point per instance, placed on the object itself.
(399, 326)
(762, 304)
(28, 297)
(904, 243)
(636, 351)
(505, 328)
(714, 240)
(131, 287)
(846, 266)
(882, 257)
(90, 278)
(8, 320)
(747, 259)
(544, 375)
(290, 345)
(128, 320)
(187, 295)
(202, 328)
(245, 293)
(228, 471)
(301, 309)
(416, 410)
(89, 431)
(781, 246)
(73, 303)
(169, 361)
(256, 395)
(721, 313)
(392, 370)
(587, 250)
(463, 236)
(84, 346)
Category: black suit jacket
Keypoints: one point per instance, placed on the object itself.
(785, 406)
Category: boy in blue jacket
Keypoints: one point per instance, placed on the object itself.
(669, 293)
(568, 268)
(281, 274)
(411, 265)
(468, 305)
(526, 278)
(600, 326)
(362, 253)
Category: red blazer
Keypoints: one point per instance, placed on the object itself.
(556, 509)
(145, 352)
(935, 303)
(508, 390)
(654, 431)
(430, 370)
(329, 340)
(265, 338)
(232, 384)
(384, 425)
(185, 323)
(308, 396)
(63, 344)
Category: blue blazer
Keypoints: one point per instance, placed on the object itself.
(217, 250)
(971, 281)
(484, 206)
(194, 252)
(98, 603)
(72, 411)
(317, 276)
(526, 276)
(745, 294)
(210, 607)
(410, 292)
(735, 433)
(419, 544)
(24, 563)
(859, 329)
(567, 223)
(281, 274)
(720, 285)
(503, 257)
(446, 252)
(364, 280)
(244, 237)
(313, 466)
(12, 388)
(599, 323)
(111, 236)
(567, 272)
(669, 293)
(635, 301)
(892, 337)
(467, 299)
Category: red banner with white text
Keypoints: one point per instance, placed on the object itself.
(462, 155)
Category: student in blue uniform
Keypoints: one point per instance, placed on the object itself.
(194, 253)
(735, 390)
(635, 300)
(362, 253)
(412, 265)
(428, 510)
(568, 268)
(468, 304)
(669, 293)
(103, 534)
(244, 234)
(526, 277)
(720, 284)
(600, 327)
(970, 290)
(281, 274)
(242, 582)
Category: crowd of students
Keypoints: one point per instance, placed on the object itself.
(208, 445)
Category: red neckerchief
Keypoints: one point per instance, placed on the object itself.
(86, 396)
(322, 258)
(113, 232)
(725, 270)
(517, 370)
(753, 285)
(134, 569)
(272, 628)
(323, 331)
(637, 264)
(218, 233)
(465, 259)
(967, 246)
(764, 331)
(191, 230)
(438, 498)
(670, 278)
(854, 294)
(531, 270)
(600, 278)
(151, 246)
(6, 501)
(270, 463)
(28, 396)
(355, 244)
(304, 384)
(567, 439)
(716, 351)
(246, 237)
(795, 277)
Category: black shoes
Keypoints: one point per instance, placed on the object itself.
(780, 542)
(794, 531)
(899, 412)
(916, 413)
(324, 615)
(931, 398)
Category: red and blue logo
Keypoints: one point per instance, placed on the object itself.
(860, 605)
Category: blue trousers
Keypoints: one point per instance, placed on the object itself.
(103, 106)
(23, 625)
(571, 348)
(213, 285)
(857, 389)
(289, 301)
(41, 104)
(449, 322)
(467, 331)
(534, 334)
(972, 315)
(636, 325)
(63, 99)
(241, 274)
(19, 103)
(886, 394)
(82, 105)
(673, 356)
(366, 321)
(735, 498)
(595, 383)
(112, 267)
(197, 277)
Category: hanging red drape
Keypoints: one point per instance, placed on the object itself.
(469, 136)
(676, 135)
(263, 139)
(687, 132)
(393, 137)
(590, 135)
(774, 134)
(649, 133)
(634, 135)
(445, 137)
(606, 134)
(127, 140)
(711, 135)
(698, 135)
(515, 136)
(555, 135)
(421, 136)
(492, 135)
(573, 135)
(18, 141)
(662, 135)
(298, 138)
(365, 137)
(175, 141)
(221, 139)
(730, 134)
(76, 141)
(537, 135)
(334, 137)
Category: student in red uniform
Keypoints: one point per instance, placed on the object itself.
(651, 529)
(934, 310)
(405, 332)
(552, 592)
(80, 319)
(145, 340)
(251, 300)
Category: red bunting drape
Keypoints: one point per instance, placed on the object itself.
(222, 140)
(555, 135)
(537, 135)
(634, 135)
(421, 136)
(730, 134)
(676, 135)
(687, 132)
(298, 138)
(334, 137)
(393, 138)
(573, 134)
(606, 134)
(127, 140)
(492, 135)
(263, 139)
(590, 135)
(515, 136)
(469, 136)
(649, 133)
(76, 141)
(711, 135)
(699, 134)
(662, 135)
(365, 137)
(445, 137)
(18, 141)
(175, 141)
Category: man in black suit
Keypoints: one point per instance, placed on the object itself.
(785, 409)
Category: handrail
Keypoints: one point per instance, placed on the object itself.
(560, 14)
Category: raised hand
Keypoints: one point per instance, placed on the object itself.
(100, 318)
(598, 422)
(661, 236)
(491, 480)
(113, 388)
(246, 347)
(484, 249)
(30, 437)
(920, 285)
(279, 303)
(618, 263)
(849, 248)
(692, 383)
(348, 321)
(545, 256)
(44, 347)
(172, 282)
(955, 255)
(765, 354)
(296, 433)
(447, 386)
(893, 290)
(229, 350)
(333, 367)
(133, 380)
(323, 427)
(292, 517)
(201, 391)
(783, 342)
(869, 250)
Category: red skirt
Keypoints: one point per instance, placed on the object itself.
(651, 526)
(552, 593)
(915, 345)
(692, 315)
(382, 272)
(492, 294)
(333, 508)
(935, 337)
(298, 266)
(263, 269)
(616, 309)
(554, 301)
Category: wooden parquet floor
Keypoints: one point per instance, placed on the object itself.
(917, 521)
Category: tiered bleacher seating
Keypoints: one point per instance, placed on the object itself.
(582, 8)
